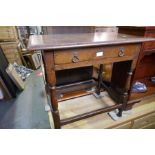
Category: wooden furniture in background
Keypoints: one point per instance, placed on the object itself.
(9, 41)
(11, 52)
(29, 58)
(72, 51)
(145, 68)
(8, 33)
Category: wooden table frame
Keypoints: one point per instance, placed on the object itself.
(124, 63)
(48, 57)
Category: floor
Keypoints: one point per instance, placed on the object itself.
(27, 111)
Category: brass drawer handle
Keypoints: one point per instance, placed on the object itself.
(75, 59)
(121, 52)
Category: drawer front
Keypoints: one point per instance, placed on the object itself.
(144, 121)
(95, 53)
(151, 44)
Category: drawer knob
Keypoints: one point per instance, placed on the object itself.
(121, 52)
(75, 59)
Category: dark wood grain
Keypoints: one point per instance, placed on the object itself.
(63, 41)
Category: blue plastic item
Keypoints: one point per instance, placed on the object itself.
(139, 87)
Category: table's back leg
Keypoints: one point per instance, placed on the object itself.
(48, 59)
(121, 82)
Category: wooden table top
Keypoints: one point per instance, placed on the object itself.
(63, 41)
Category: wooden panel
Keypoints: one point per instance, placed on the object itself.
(141, 122)
(11, 52)
(149, 126)
(92, 62)
(132, 30)
(151, 44)
(8, 33)
(78, 86)
(73, 95)
(86, 54)
(145, 68)
(124, 126)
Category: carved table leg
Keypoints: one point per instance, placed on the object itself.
(51, 81)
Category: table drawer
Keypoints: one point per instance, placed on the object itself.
(151, 44)
(87, 54)
(144, 121)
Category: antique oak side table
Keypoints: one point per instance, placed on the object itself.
(70, 52)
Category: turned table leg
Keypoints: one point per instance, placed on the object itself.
(126, 93)
(98, 91)
(51, 82)
(55, 111)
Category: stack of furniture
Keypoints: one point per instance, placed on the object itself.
(145, 68)
(9, 43)
(29, 59)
